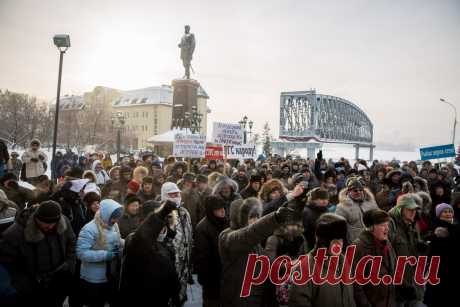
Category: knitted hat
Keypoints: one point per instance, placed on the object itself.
(354, 182)
(202, 178)
(133, 186)
(147, 179)
(318, 193)
(48, 212)
(441, 207)
(375, 217)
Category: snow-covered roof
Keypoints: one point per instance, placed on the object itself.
(150, 95)
(69, 102)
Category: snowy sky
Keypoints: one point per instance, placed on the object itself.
(394, 59)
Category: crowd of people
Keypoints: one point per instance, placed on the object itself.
(134, 232)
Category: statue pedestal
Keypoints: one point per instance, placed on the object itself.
(184, 97)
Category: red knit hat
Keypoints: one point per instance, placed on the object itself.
(133, 186)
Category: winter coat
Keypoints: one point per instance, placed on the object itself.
(353, 212)
(101, 177)
(33, 258)
(309, 295)
(72, 206)
(445, 249)
(148, 273)
(234, 196)
(207, 261)
(235, 245)
(311, 214)
(4, 156)
(91, 251)
(380, 295)
(8, 211)
(406, 241)
(192, 202)
(128, 224)
(34, 162)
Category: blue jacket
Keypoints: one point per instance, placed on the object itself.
(94, 261)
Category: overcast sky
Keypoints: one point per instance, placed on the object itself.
(394, 59)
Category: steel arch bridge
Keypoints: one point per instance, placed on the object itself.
(307, 116)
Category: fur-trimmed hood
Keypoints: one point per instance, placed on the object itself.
(221, 182)
(240, 210)
(422, 182)
(176, 166)
(268, 186)
(347, 201)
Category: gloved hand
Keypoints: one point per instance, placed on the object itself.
(111, 255)
(41, 157)
(441, 232)
(284, 214)
(168, 207)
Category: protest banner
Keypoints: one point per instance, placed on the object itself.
(214, 153)
(241, 152)
(189, 145)
(227, 134)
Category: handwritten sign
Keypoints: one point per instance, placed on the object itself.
(189, 145)
(227, 134)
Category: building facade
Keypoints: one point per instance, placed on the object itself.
(148, 112)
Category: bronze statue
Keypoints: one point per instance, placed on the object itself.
(187, 46)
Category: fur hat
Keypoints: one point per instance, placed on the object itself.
(91, 197)
(317, 193)
(147, 179)
(201, 178)
(268, 187)
(375, 217)
(330, 226)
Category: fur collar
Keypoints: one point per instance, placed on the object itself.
(344, 199)
(33, 234)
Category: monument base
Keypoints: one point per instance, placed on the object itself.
(184, 97)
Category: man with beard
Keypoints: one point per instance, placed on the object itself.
(353, 202)
(206, 250)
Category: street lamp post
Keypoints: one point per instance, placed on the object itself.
(118, 121)
(62, 42)
(455, 118)
(243, 123)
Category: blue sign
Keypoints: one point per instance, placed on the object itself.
(437, 152)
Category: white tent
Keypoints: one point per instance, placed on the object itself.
(167, 137)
